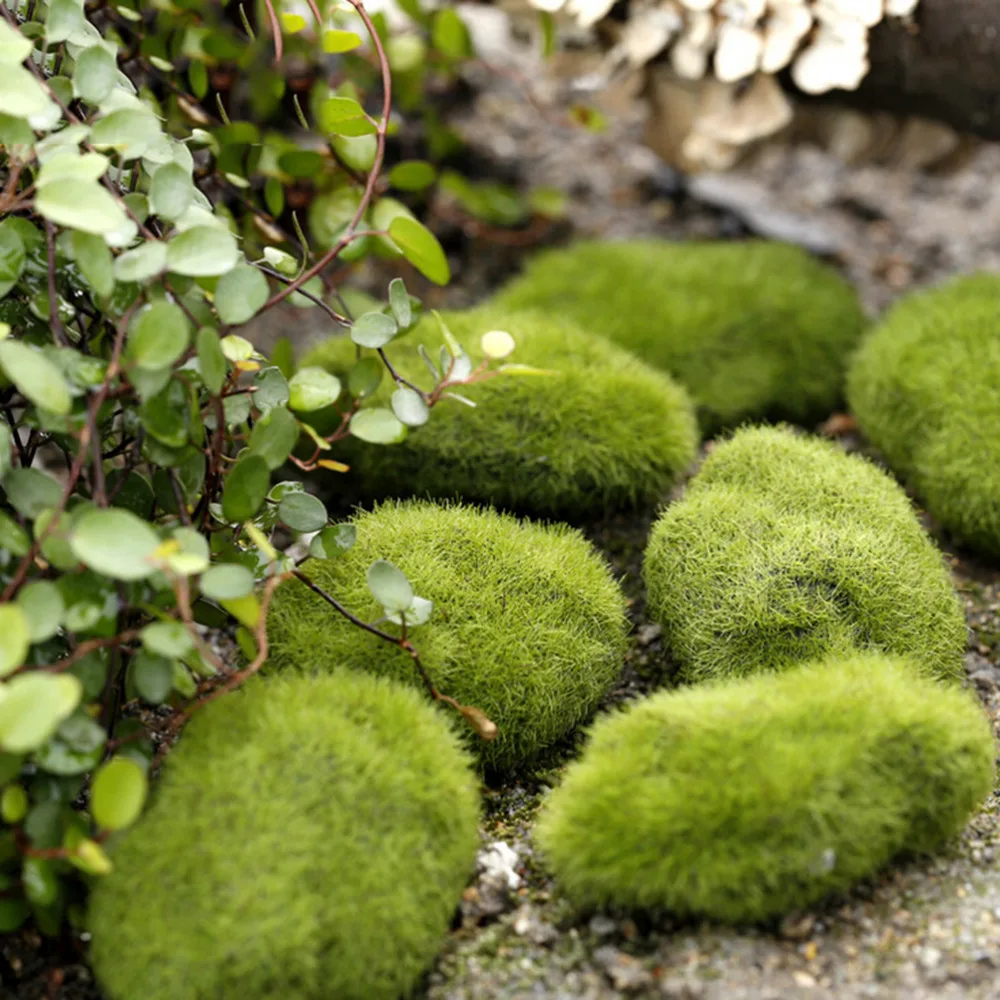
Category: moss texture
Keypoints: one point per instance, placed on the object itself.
(606, 431)
(528, 623)
(925, 386)
(753, 330)
(785, 549)
(744, 801)
(310, 838)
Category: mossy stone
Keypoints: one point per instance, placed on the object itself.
(925, 387)
(786, 549)
(310, 837)
(752, 330)
(606, 430)
(744, 801)
(528, 624)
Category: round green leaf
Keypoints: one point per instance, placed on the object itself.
(245, 489)
(416, 614)
(40, 882)
(13, 804)
(333, 541)
(399, 301)
(114, 542)
(497, 344)
(312, 388)
(35, 704)
(192, 554)
(15, 630)
(358, 152)
(171, 192)
(377, 426)
(31, 491)
(202, 251)
(274, 437)
(410, 407)
(43, 609)
(167, 638)
(365, 377)
(373, 329)
(14, 47)
(335, 41)
(13, 537)
(412, 175)
(421, 248)
(449, 35)
(302, 512)
(152, 675)
(158, 336)
(240, 293)
(271, 389)
(131, 131)
(12, 256)
(389, 586)
(80, 204)
(36, 377)
(146, 261)
(226, 581)
(94, 259)
(118, 794)
(95, 74)
(211, 360)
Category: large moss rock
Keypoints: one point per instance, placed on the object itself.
(528, 624)
(752, 330)
(925, 386)
(746, 800)
(604, 430)
(310, 838)
(786, 549)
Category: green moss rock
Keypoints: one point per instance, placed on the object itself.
(528, 623)
(786, 549)
(310, 838)
(925, 386)
(607, 430)
(743, 801)
(752, 330)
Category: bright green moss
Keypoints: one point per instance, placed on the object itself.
(925, 387)
(743, 801)
(606, 431)
(528, 623)
(786, 549)
(310, 838)
(752, 330)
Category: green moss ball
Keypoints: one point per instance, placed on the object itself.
(753, 330)
(310, 838)
(925, 386)
(605, 431)
(786, 549)
(528, 624)
(743, 801)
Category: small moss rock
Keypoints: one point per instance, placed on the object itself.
(753, 330)
(606, 430)
(528, 623)
(786, 549)
(743, 801)
(310, 838)
(925, 386)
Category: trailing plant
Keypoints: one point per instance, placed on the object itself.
(140, 431)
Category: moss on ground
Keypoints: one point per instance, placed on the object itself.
(606, 431)
(925, 387)
(752, 330)
(528, 623)
(310, 838)
(743, 801)
(785, 550)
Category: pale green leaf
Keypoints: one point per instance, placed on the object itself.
(240, 293)
(95, 262)
(43, 608)
(14, 47)
(118, 793)
(389, 586)
(36, 377)
(410, 407)
(373, 329)
(172, 191)
(377, 426)
(226, 581)
(16, 632)
(146, 261)
(34, 705)
(114, 542)
(203, 251)
(81, 205)
(95, 74)
(312, 388)
(158, 335)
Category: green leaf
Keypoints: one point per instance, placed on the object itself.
(412, 175)
(95, 74)
(365, 377)
(31, 491)
(146, 261)
(245, 489)
(302, 512)
(43, 608)
(171, 192)
(449, 35)
(13, 804)
(274, 437)
(271, 389)
(377, 426)
(410, 407)
(14, 47)
(22, 96)
(13, 537)
(389, 586)
(16, 631)
(114, 542)
(240, 293)
(158, 335)
(94, 259)
(167, 638)
(312, 388)
(373, 329)
(130, 131)
(339, 41)
(35, 704)
(421, 248)
(152, 675)
(236, 348)
(6, 450)
(399, 302)
(12, 256)
(81, 205)
(333, 541)
(35, 376)
(211, 361)
(225, 581)
(165, 415)
(192, 554)
(65, 18)
(497, 344)
(418, 613)
(358, 152)
(118, 793)
(202, 251)
(40, 882)
(344, 116)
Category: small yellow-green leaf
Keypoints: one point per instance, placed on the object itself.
(335, 41)
(34, 705)
(16, 633)
(421, 248)
(118, 793)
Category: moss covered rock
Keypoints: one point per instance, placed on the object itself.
(925, 386)
(606, 431)
(310, 838)
(744, 801)
(786, 549)
(528, 623)
(752, 330)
